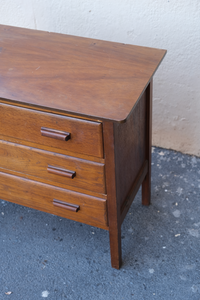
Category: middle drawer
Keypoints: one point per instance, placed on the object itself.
(54, 167)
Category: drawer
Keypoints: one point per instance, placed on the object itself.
(52, 130)
(52, 167)
(72, 205)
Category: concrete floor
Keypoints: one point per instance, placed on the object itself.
(45, 256)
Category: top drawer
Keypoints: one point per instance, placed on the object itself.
(51, 130)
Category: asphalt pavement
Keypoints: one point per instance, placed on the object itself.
(45, 256)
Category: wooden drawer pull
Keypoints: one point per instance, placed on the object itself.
(55, 134)
(61, 172)
(69, 206)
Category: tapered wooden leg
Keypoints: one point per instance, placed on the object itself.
(146, 185)
(115, 247)
(112, 201)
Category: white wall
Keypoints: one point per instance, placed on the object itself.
(169, 24)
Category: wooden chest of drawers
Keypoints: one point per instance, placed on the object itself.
(75, 126)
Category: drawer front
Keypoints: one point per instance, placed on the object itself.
(52, 130)
(47, 198)
(52, 167)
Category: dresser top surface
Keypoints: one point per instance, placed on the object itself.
(81, 76)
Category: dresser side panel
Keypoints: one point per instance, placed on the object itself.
(130, 148)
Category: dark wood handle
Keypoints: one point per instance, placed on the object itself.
(69, 206)
(61, 172)
(55, 134)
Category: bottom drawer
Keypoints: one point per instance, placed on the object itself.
(54, 200)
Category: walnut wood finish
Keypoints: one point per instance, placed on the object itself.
(75, 126)
(146, 186)
(51, 149)
(65, 205)
(63, 186)
(133, 191)
(86, 136)
(112, 193)
(40, 196)
(126, 166)
(55, 134)
(61, 172)
(35, 162)
(74, 74)
(130, 148)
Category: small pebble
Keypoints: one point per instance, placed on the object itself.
(45, 294)
(176, 213)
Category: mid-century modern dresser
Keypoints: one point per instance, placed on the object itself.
(75, 126)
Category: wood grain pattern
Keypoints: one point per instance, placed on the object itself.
(55, 134)
(130, 148)
(133, 191)
(86, 136)
(112, 194)
(51, 149)
(73, 74)
(146, 186)
(61, 172)
(48, 110)
(40, 196)
(76, 126)
(65, 205)
(33, 161)
(56, 184)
